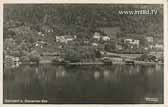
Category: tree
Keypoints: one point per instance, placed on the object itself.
(34, 56)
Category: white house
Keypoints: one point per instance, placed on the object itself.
(132, 42)
(41, 34)
(105, 38)
(149, 39)
(158, 46)
(46, 29)
(50, 30)
(96, 36)
(65, 38)
(151, 46)
(40, 44)
(94, 44)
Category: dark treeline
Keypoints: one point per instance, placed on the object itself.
(80, 17)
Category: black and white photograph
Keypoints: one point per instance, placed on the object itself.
(83, 53)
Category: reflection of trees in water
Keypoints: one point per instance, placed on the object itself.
(152, 74)
(24, 75)
(60, 74)
(25, 83)
(147, 82)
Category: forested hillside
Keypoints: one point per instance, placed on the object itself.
(75, 18)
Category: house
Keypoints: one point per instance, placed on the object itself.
(132, 42)
(105, 38)
(145, 48)
(11, 61)
(149, 39)
(94, 44)
(15, 59)
(65, 38)
(59, 38)
(41, 34)
(40, 44)
(97, 36)
(151, 46)
(159, 46)
(46, 29)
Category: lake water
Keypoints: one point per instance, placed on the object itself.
(115, 84)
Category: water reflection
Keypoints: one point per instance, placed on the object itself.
(60, 74)
(96, 75)
(106, 74)
(87, 84)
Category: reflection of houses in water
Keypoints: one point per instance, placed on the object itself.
(60, 74)
(131, 70)
(40, 75)
(137, 69)
(96, 75)
(65, 38)
(106, 74)
(36, 70)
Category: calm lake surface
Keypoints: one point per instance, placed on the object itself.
(114, 84)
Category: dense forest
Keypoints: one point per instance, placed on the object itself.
(82, 17)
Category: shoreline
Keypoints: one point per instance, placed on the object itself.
(94, 63)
